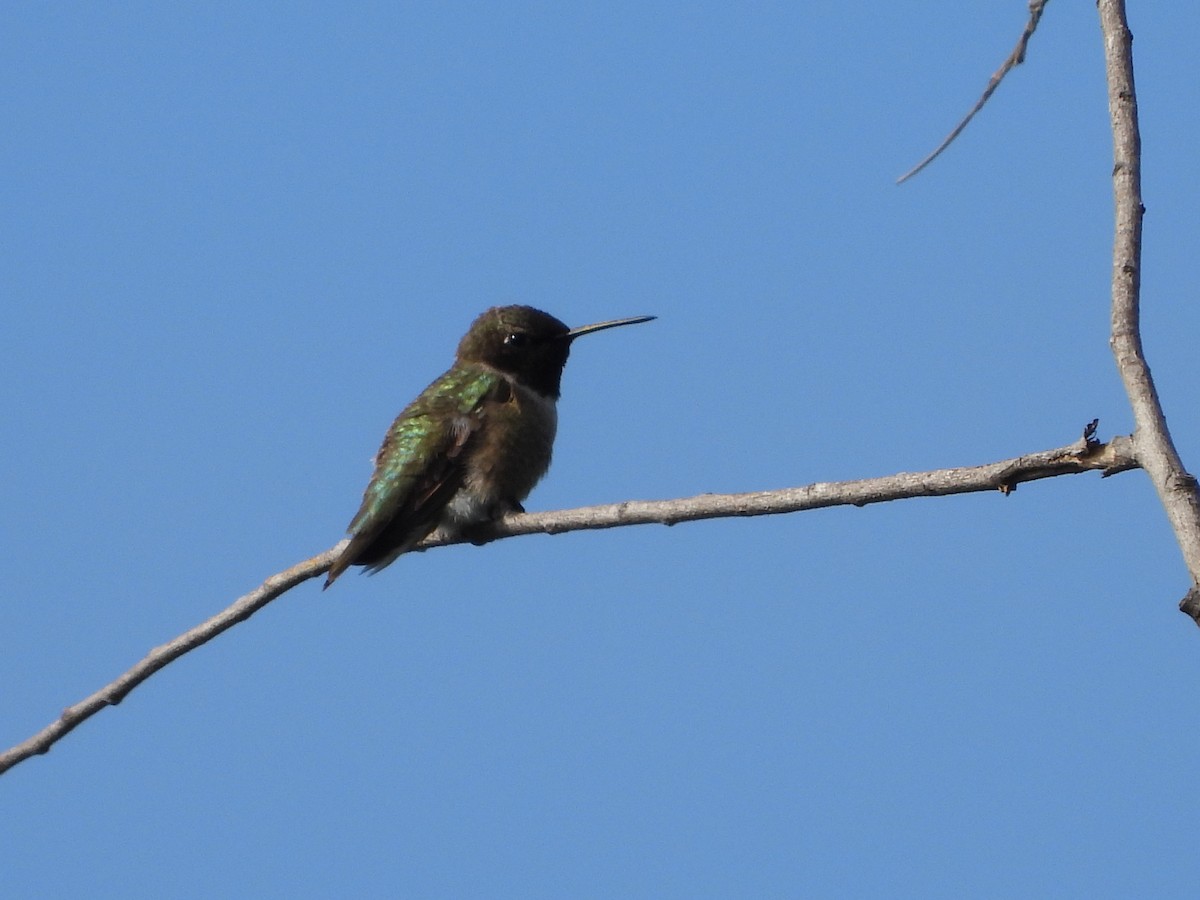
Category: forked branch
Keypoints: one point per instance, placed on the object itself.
(1153, 446)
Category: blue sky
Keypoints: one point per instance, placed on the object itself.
(239, 238)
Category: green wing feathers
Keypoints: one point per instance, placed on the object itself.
(418, 468)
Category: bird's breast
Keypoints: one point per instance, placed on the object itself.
(509, 455)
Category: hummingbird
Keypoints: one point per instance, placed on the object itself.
(474, 443)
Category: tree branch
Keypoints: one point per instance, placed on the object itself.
(1036, 8)
(1153, 446)
(1085, 455)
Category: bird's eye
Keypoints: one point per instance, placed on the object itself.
(516, 339)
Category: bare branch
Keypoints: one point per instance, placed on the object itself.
(1152, 441)
(1036, 8)
(1004, 476)
(1085, 455)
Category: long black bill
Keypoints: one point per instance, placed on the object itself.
(612, 323)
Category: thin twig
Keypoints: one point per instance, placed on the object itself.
(1152, 440)
(1084, 455)
(1036, 8)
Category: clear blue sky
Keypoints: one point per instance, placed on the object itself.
(238, 239)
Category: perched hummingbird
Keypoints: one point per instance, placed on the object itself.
(473, 444)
